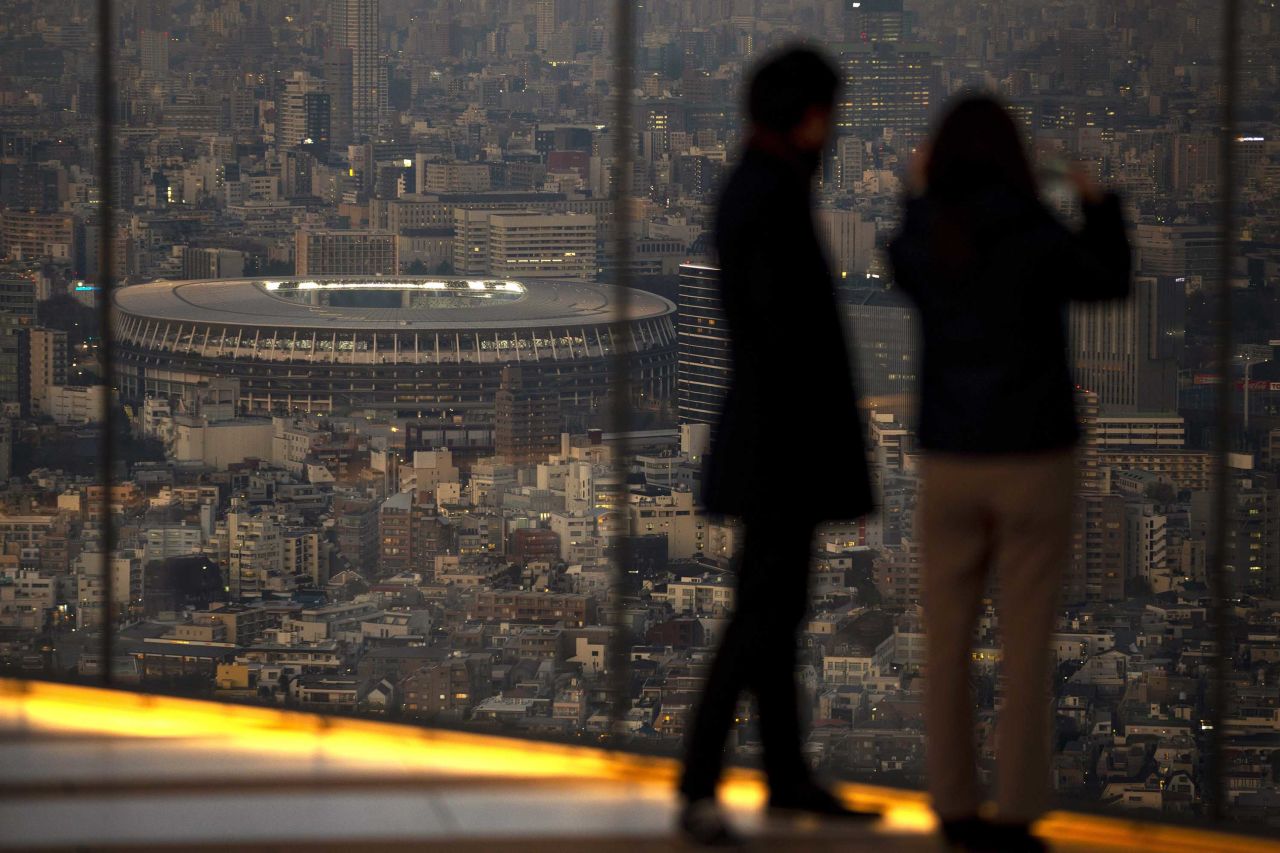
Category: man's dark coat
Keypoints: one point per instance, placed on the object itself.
(790, 440)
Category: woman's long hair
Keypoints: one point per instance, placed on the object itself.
(976, 149)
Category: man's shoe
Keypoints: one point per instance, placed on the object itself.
(813, 800)
(964, 833)
(976, 835)
(702, 823)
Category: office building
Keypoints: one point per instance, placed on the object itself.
(356, 532)
(13, 381)
(18, 298)
(1127, 351)
(45, 356)
(17, 313)
(317, 120)
(153, 50)
(1253, 530)
(1141, 432)
(883, 336)
(523, 245)
(75, 404)
(346, 253)
(526, 417)
(702, 335)
(1184, 469)
(1195, 163)
(1186, 253)
(212, 263)
(889, 87)
(470, 242)
(1096, 572)
(850, 240)
(534, 245)
(32, 235)
(874, 20)
(436, 176)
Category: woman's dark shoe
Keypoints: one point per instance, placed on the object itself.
(976, 835)
(813, 800)
(702, 823)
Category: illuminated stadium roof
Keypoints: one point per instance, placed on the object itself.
(391, 302)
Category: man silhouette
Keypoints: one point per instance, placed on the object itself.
(792, 386)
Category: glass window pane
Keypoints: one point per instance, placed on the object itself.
(418, 349)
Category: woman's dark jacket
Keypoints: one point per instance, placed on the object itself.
(789, 442)
(991, 279)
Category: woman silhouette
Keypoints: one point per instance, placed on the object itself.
(991, 271)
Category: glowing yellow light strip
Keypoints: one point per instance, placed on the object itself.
(458, 286)
(42, 706)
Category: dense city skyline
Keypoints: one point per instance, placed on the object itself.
(364, 330)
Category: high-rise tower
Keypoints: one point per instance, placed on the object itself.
(703, 340)
(337, 85)
(545, 11)
(353, 26)
(302, 112)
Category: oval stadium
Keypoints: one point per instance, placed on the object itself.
(401, 345)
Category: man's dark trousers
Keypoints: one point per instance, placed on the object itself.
(757, 654)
